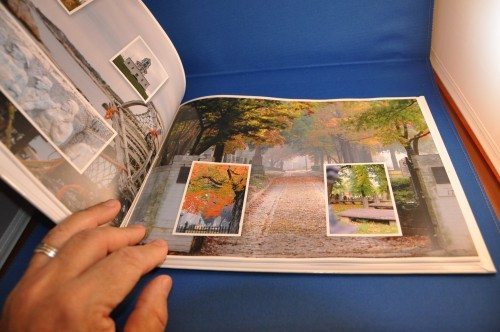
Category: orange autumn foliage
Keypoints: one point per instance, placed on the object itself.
(212, 187)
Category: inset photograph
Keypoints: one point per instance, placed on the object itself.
(72, 6)
(214, 200)
(141, 68)
(43, 94)
(360, 201)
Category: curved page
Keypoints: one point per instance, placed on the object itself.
(86, 96)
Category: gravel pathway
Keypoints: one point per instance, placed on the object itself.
(289, 220)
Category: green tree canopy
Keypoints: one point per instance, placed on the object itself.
(379, 176)
(392, 121)
(361, 183)
(252, 120)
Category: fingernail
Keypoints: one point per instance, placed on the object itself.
(110, 203)
(167, 285)
(165, 282)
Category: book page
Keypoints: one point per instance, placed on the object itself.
(86, 96)
(267, 184)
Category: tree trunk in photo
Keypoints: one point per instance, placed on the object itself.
(376, 199)
(343, 151)
(350, 152)
(422, 203)
(415, 146)
(318, 160)
(367, 156)
(257, 156)
(236, 213)
(257, 165)
(219, 152)
(394, 159)
(356, 153)
(365, 202)
(329, 190)
(194, 147)
(321, 158)
(315, 159)
(346, 149)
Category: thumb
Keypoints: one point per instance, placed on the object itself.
(150, 312)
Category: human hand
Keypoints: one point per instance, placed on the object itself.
(94, 269)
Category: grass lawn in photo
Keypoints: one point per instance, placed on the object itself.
(120, 64)
(214, 200)
(364, 226)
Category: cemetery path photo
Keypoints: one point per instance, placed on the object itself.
(289, 145)
(297, 206)
(288, 219)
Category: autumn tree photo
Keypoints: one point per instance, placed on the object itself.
(361, 180)
(217, 190)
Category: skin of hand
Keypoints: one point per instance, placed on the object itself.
(93, 271)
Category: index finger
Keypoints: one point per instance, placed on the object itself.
(112, 278)
(86, 219)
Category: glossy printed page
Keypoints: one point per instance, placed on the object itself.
(78, 126)
(330, 179)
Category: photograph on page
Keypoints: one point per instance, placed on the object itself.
(47, 98)
(288, 143)
(359, 200)
(141, 68)
(214, 200)
(72, 6)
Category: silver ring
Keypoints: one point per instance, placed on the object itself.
(46, 249)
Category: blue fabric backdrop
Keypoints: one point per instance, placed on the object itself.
(316, 49)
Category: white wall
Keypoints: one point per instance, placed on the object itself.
(466, 55)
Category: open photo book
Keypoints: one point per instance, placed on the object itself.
(91, 108)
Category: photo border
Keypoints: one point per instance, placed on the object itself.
(174, 232)
(398, 223)
(126, 79)
(78, 95)
(76, 9)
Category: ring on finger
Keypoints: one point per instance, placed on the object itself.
(46, 249)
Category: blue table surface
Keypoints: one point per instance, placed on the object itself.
(315, 49)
